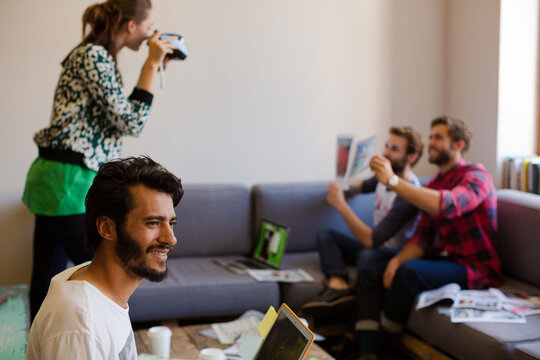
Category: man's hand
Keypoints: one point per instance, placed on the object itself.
(335, 196)
(390, 272)
(382, 168)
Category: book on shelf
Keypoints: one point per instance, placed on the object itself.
(522, 173)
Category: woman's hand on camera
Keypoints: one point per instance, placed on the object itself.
(159, 48)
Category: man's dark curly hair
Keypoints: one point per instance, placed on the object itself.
(110, 193)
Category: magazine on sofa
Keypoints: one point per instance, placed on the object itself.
(289, 275)
(491, 305)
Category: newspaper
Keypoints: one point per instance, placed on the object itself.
(289, 276)
(461, 315)
(518, 302)
(491, 305)
(352, 158)
(230, 332)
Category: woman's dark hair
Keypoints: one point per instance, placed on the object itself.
(457, 129)
(110, 193)
(104, 20)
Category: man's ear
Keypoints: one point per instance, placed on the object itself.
(130, 26)
(411, 158)
(458, 145)
(106, 228)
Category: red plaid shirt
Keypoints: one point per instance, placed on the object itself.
(464, 231)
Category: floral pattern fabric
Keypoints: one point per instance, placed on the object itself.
(91, 114)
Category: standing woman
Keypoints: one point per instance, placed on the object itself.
(90, 116)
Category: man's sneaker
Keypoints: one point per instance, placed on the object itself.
(330, 301)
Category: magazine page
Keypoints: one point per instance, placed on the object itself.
(229, 332)
(352, 158)
(364, 151)
(517, 302)
(289, 276)
(430, 297)
(477, 299)
(344, 143)
(460, 315)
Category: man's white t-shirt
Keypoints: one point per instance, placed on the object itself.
(384, 201)
(77, 321)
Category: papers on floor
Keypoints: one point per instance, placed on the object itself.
(289, 276)
(491, 305)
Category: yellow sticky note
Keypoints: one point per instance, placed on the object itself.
(267, 322)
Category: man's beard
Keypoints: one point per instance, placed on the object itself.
(133, 257)
(398, 165)
(442, 157)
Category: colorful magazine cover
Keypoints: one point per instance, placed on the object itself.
(352, 158)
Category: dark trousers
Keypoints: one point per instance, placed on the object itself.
(411, 278)
(337, 251)
(55, 239)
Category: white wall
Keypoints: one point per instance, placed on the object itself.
(518, 79)
(266, 88)
(419, 67)
(473, 62)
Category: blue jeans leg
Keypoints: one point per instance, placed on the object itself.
(336, 252)
(370, 255)
(415, 276)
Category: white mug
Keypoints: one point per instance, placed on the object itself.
(160, 340)
(212, 354)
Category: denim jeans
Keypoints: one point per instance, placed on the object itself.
(337, 251)
(411, 278)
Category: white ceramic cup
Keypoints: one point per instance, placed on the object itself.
(212, 354)
(160, 340)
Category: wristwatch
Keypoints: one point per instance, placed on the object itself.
(392, 181)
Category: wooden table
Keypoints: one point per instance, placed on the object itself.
(186, 342)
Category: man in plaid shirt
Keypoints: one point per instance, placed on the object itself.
(454, 241)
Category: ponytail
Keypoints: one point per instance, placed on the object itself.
(104, 20)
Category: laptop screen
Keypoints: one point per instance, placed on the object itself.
(287, 339)
(271, 243)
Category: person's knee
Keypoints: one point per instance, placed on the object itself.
(324, 237)
(365, 257)
(406, 277)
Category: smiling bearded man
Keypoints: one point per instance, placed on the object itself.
(129, 221)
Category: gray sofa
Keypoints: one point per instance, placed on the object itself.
(220, 221)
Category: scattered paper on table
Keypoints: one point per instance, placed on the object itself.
(229, 332)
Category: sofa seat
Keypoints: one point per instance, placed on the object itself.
(192, 287)
(296, 294)
(492, 341)
(528, 351)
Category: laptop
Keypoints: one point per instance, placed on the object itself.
(268, 252)
(288, 338)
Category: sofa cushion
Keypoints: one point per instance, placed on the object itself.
(483, 340)
(517, 238)
(527, 351)
(213, 220)
(296, 294)
(304, 209)
(197, 287)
